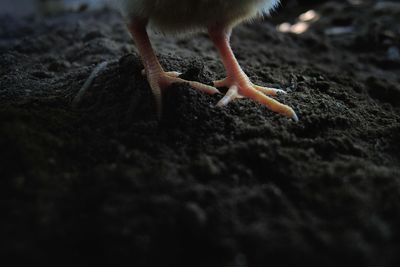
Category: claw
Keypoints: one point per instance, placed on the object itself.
(174, 74)
(232, 94)
(295, 117)
(269, 91)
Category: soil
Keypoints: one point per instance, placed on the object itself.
(109, 184)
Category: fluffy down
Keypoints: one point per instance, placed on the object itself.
(184, 15)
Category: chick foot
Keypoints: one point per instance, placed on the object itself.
(158, 79)
(245, 88)
(238, 82)
(165, 79)
(162, 80)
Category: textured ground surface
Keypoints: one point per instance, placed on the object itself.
(239, 186)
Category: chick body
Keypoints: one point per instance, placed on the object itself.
(190, 15)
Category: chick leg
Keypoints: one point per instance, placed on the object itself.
(157, 77)
(238, 82)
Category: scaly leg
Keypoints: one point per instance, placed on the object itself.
(238, 82)
(157, 77)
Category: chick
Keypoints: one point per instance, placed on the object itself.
(218, 17)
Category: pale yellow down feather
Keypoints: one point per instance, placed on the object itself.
(188, 15)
